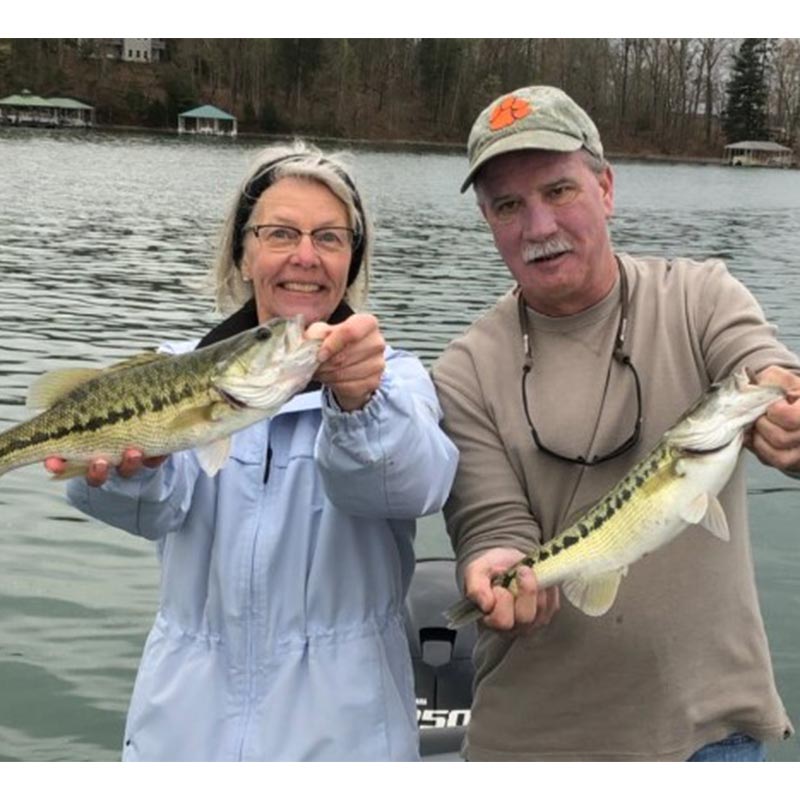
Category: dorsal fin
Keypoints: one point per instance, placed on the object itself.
(52, 386)
(137, 361)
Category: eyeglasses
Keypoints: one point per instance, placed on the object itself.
(618, 355)
(285, 238)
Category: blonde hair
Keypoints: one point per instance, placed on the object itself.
(298, 160)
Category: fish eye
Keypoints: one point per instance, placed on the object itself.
(262, 334)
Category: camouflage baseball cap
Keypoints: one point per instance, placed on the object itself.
(531, 118)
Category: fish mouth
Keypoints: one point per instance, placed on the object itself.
(232, 401)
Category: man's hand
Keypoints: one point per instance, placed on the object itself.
(530, 608)
(351, 358)
(775, 437)
(98, 470)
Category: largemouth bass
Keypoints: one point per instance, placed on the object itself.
(675, 486)
(163, 403)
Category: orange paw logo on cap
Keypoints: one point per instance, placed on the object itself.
(508, 111)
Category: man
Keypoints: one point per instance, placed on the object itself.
(679, 667)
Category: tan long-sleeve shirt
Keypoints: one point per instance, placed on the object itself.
(681, 659)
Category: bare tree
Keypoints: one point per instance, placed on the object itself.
(785, 101)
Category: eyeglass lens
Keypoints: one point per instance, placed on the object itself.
(286, 237)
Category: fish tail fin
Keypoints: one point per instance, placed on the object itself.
(462, 613)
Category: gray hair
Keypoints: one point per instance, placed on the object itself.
(298, 160)
(595, 163)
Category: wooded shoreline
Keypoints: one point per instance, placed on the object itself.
(650, 98)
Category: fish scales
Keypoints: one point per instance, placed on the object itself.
(136, 404)
(165, 403)
(674, 486)
(607, 526)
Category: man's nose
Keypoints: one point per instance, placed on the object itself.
(539, 221)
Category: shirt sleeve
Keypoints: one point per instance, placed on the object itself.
(488, 505)
(151, 504)
(733, 331)
(390, 459)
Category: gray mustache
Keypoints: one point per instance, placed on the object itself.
(551, 247)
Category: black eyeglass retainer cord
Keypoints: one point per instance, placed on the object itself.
(618, 355)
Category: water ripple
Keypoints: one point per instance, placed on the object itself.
(104, 244)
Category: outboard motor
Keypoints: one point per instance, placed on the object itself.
(442, 659)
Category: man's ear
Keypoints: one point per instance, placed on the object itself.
(606, 181)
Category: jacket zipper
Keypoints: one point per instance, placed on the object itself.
(269, 461)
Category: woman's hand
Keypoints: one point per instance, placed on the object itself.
(97, 471)
(351, 359)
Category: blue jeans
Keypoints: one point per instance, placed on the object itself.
(736, 747)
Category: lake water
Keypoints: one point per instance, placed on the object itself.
(104, 242)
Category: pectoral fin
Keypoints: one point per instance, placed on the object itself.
(193, 417)
(706, 511)
(212, 456)
(715, 520)
(594, 597)
(695, 510)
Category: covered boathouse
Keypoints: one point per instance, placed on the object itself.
(29, 109)
(758, 154)
(208, 120)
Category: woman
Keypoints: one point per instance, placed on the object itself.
(280, 632)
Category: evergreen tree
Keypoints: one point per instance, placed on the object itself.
(745, 116)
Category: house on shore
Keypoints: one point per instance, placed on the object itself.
(207, 120)
(758, 154)
(30, 110)
(143, 51)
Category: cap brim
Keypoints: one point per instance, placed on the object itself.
(524, 140)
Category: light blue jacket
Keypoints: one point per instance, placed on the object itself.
(279, 634)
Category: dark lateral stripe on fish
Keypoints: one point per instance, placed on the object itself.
(152, 404)
(92, 424)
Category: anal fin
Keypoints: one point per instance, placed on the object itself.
(595, 596)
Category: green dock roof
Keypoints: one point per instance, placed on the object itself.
(30, 100)
(207, 112)
(68, 102)
(25, 98)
